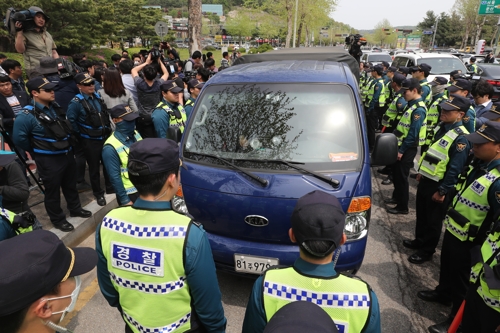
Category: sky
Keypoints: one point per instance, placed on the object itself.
(365, 14)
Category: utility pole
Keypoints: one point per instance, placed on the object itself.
(496, 38)
(435, 29)
(295, 22)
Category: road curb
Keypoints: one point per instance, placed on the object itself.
(86, 226)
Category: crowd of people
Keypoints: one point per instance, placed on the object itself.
(457, 127)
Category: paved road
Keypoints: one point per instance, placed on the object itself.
(385, 268)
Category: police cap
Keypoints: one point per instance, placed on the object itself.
(84, 78)
(195, 84)
(299, 317)
(493, 113)
(38, 83)
(156, 154)
(460, 84)
(385, 64)
(489, 132)
(123, 111)
(34, 263)
(392, 69)
(379, 69)
(318, 216)
(403, 70)
(455, 103)
(410, 84)
(398, 78)
(438, 81)
(422, 68)
(171, 86)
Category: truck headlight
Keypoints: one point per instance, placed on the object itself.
(357, 217)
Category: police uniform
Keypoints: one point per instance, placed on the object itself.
(167, 114)
(156, 264)
(115, 153)
(90, 119)
(12, 224)
(440, 167)
(426, 89)
(375, 105)
(476, 201)
(473, 66)
(350, 302)
(433, 112)
(46, 132)
(482, 302)
(410, 132)
(469, 120)
(396, 108)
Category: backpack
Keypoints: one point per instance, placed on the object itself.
(12, 16)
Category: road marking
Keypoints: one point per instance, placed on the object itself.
(84, 297)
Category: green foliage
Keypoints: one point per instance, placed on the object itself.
(209, 48)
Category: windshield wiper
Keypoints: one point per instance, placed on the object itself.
(258, 179)
(334, 182)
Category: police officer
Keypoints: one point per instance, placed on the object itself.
(89, 118)
(317, 227)
(463, 87)
(473, 66)
(421, 72)
(438, 86)
(439, 168)
(149, 252)
(169, 113)
(43, 130)
(493, 113)
(115, 153)
(476, 201)
(376, 103)
(194, 87)
(482, 308)
(389, 92)
(40, 281)
(391, 118)
(410, 131)
(403, 70)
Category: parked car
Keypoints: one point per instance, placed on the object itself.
(491, 73)
(442, 64)
(266, 131)
(376, 57)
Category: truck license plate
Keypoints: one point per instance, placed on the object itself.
(252, 264)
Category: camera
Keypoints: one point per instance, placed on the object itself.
(355, 42)
(155, 54)
(24, 16)
(188, 76)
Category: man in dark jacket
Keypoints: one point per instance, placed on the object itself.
(11, 102)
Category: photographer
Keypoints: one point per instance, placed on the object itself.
(355, 42)
(35, 43)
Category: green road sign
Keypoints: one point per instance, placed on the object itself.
(489, 7)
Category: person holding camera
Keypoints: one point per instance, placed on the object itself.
(44, 131)
(148, 91)
(169, 113)
(35, 43)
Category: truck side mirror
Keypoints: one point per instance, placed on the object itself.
(174, 133)
(385, 151)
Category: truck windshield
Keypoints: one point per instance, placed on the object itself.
(313, 124)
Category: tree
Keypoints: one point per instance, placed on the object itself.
(382, 37)
(241, 25)
(428, 23)
(194, 25)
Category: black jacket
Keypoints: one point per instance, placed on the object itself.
(6, 110)
(14, 188)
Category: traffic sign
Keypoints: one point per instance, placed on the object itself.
(489, 7)
(161, 29)
(427, 32)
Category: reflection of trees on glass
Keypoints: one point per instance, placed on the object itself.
(245, 122)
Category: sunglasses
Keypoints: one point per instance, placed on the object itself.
(47, 90)
(88, 84)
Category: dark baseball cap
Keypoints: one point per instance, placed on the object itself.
(48, 65)
(83, 78)
(34, 263)
(489, 132)
(156, 154)
(423, 68)
(379, 69)
(195, 84)
(472, 59)
(385, 64)
(493, 113)
(6, 157)
(38, 83)
(455, 103)
(438, 81)
(123, 111)
(392, 69)
(460, 84)
(410, 84)
(318, 216)
(403, 70)
(172, 86)
(455, 72)
(295, 317)
(398, 78)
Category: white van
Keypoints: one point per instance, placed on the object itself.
(442, 64)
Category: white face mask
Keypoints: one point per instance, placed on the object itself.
(74, 297)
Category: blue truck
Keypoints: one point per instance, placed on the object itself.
(264, 133)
